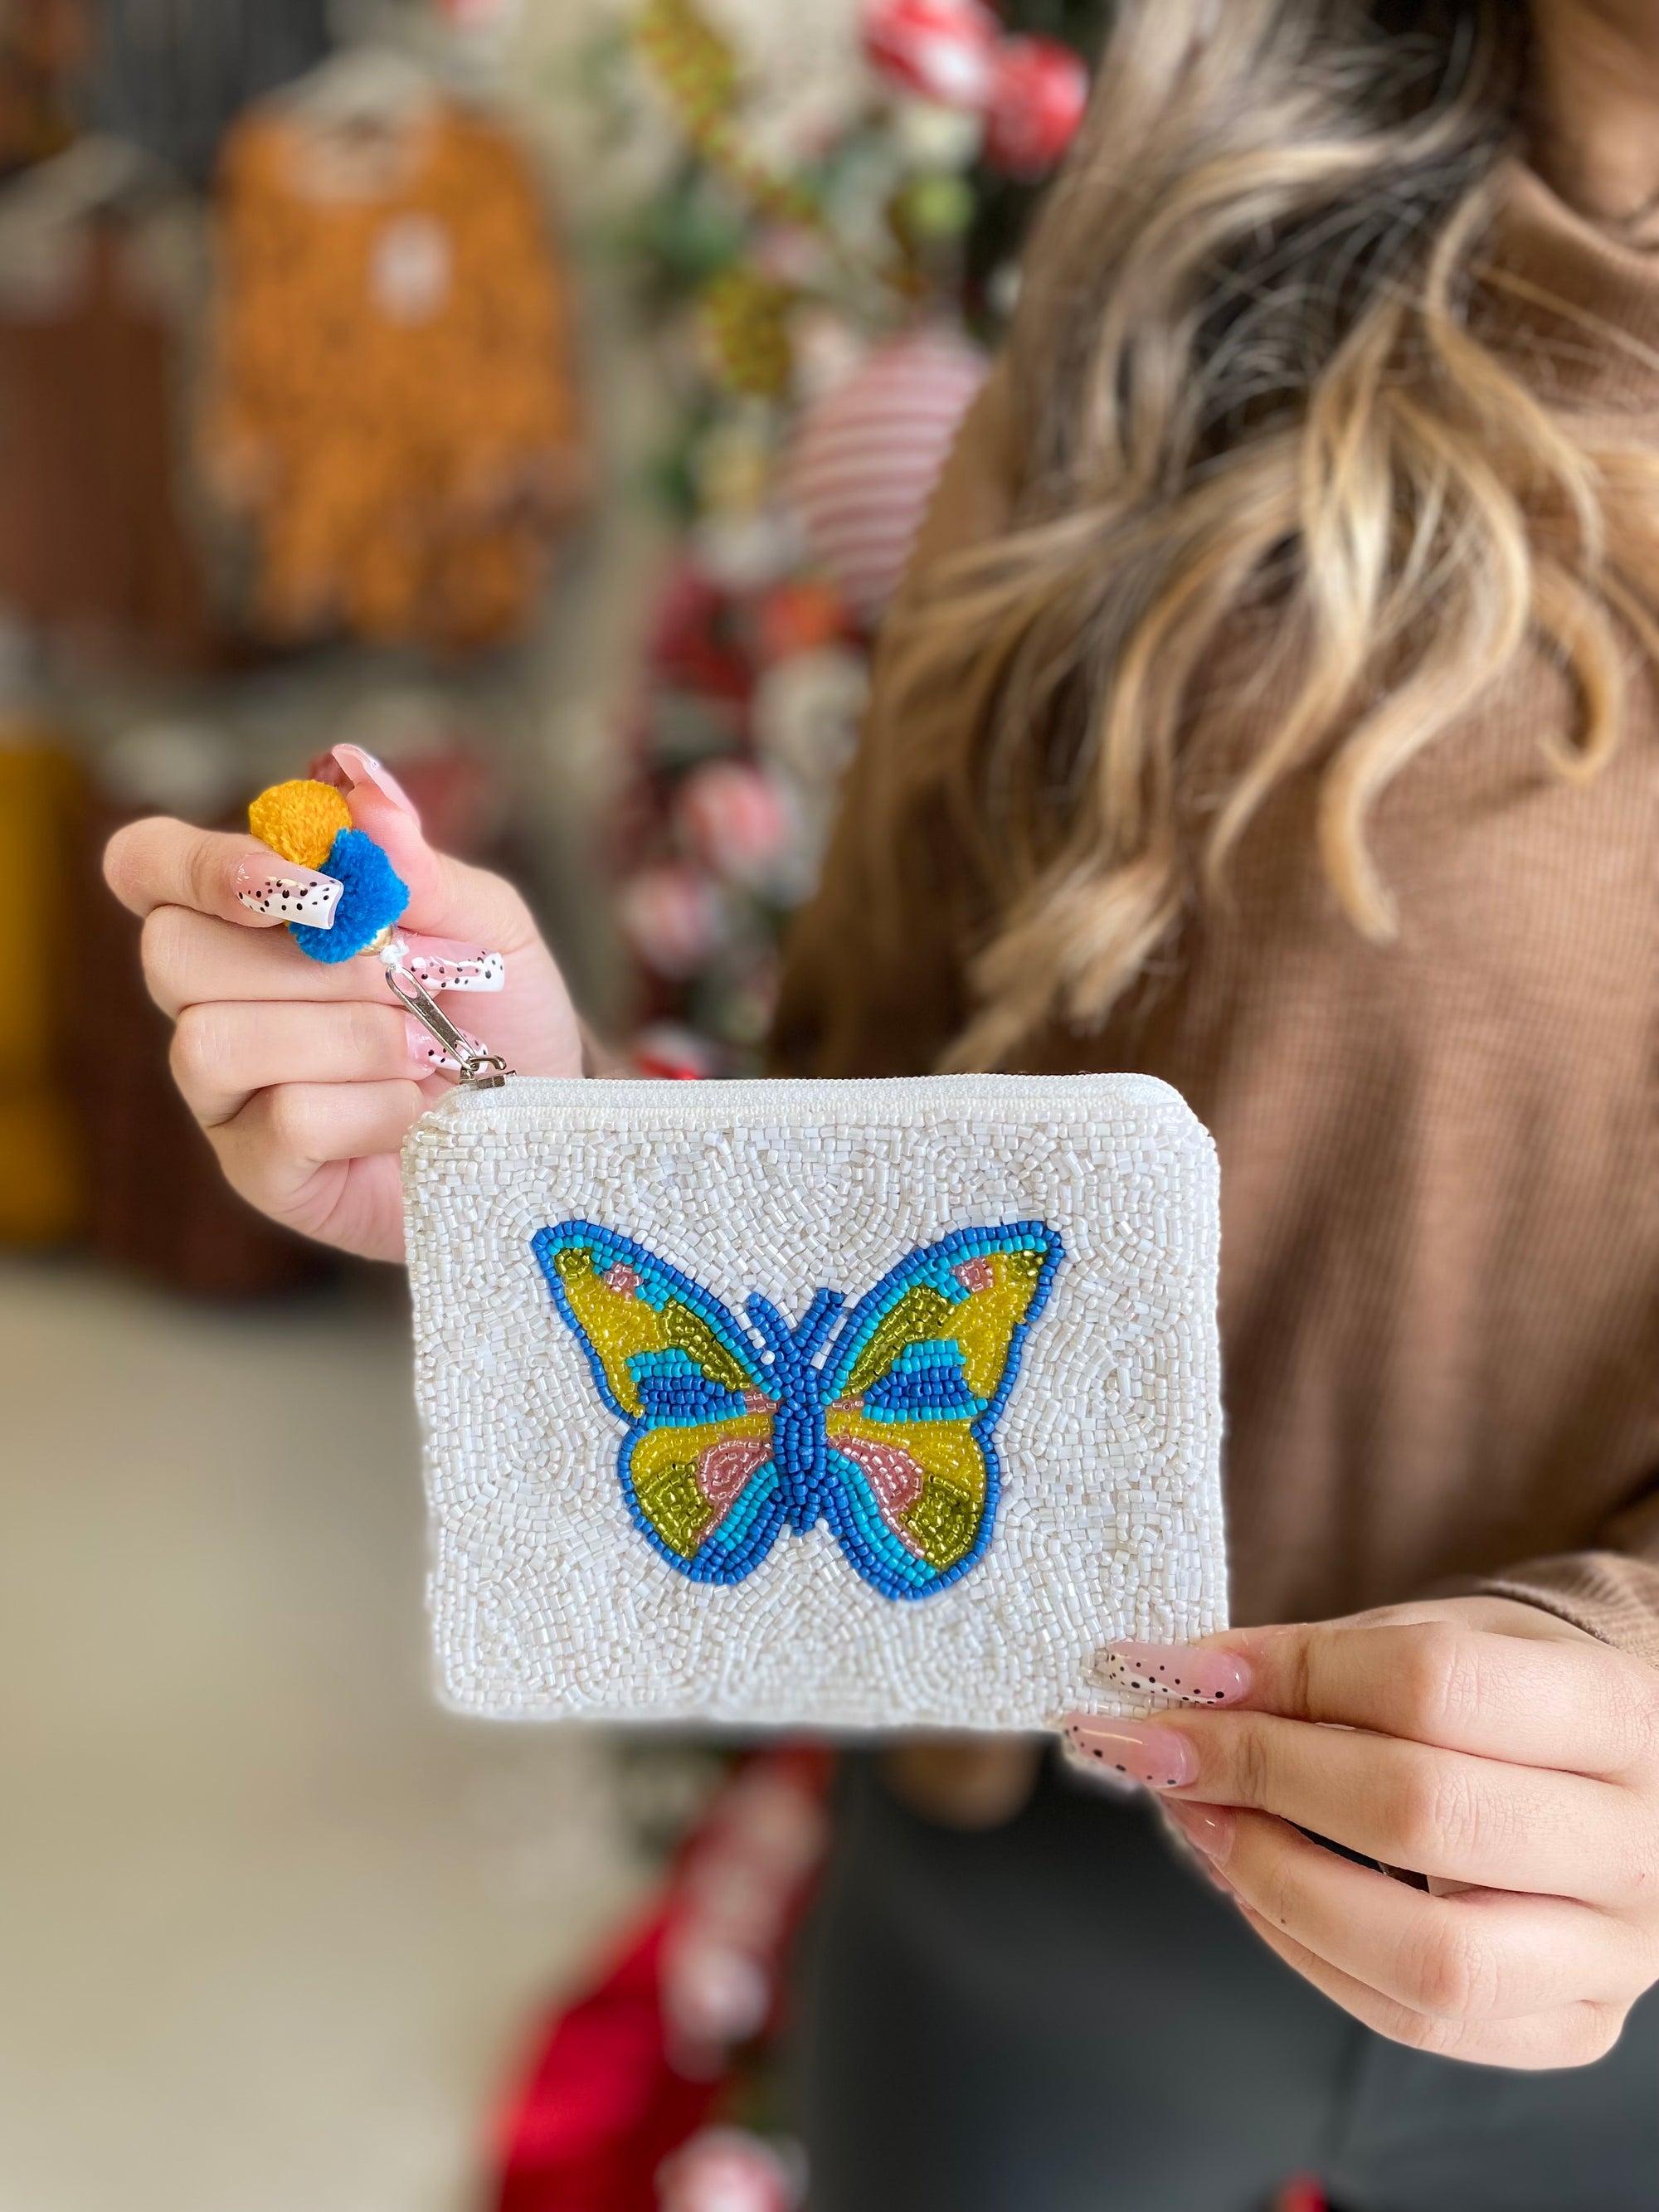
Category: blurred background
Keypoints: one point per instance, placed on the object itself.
(544, 394)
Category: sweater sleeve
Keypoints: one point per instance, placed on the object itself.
(1613, 1594)
(873, 981)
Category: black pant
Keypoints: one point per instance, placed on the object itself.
(1059, 2016)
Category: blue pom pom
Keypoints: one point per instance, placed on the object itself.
(374, 896)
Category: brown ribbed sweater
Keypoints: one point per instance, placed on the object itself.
(1440, 1158)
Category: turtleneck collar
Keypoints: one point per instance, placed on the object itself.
(1582, 307)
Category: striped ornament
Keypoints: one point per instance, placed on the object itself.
(866, 459)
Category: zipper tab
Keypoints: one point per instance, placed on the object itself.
(480, 1071)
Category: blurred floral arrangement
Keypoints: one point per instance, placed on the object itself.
(656, 2089)
(825, 250)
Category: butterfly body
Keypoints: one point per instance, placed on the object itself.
(734, 1433)
(799, 1438)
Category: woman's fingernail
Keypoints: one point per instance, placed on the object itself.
(440, 966)
(360, 768)
(1186, 1671)
(427, 1053)
(1209, 1829)
(286, 892)
(1106, 1780)
(1162, 1757)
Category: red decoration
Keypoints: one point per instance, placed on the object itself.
(1302, 2195)
(1031, 91)
(694, 647)
(673, 1054)
(940, 49)
(613, 2092)
(740, 1886)
(798, 618)
(1039, 90)
(602, 2108)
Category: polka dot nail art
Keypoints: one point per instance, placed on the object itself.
(1182, 1671)
(428, 1056)
(287, 892)
(1136, 1751)
(438, 966)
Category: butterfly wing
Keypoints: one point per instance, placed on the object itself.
(696, 1465)
(912, 1394)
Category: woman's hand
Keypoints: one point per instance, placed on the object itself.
(305, 1077)
(1502, 1753)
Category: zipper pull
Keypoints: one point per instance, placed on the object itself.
(480, 1071)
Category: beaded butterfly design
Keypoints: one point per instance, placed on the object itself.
(734, 1431)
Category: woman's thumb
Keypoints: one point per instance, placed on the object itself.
(445, 899)
(381, 807)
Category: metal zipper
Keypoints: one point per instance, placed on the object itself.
(480, 1071)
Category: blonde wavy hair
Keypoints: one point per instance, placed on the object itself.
(1246, 377)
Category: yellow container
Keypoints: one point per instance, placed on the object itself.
(42, 1196)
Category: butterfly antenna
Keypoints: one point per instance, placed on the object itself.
(769, 1325)
(820, 1315)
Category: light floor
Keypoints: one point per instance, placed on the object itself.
(272, 1927)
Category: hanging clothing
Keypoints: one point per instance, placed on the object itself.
(92, 544)
(41, 44)
(42, 1188)
(172, 75)
(394, 408)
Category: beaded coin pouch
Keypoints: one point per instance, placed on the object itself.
(855, 1405)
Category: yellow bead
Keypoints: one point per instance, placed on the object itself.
(301, 821)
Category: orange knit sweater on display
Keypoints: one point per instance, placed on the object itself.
(393, 398)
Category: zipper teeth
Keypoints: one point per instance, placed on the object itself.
(575, 1100)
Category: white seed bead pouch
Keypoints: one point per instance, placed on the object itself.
(866, 1405)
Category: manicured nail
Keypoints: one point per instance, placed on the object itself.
(440, 966)
(1162, 1757)
(427, 1053)
(1209, 1829)
(286, 892)
(1106, 1781)
(360, 768)
(1202, 1836)
(1186, 1671)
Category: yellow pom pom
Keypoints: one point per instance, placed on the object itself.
(301, 821)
